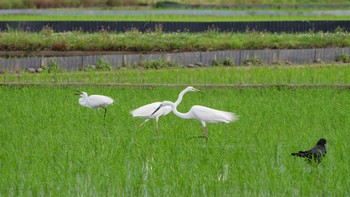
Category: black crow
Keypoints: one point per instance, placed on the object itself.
(316, 153)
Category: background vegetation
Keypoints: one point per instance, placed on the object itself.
(170, 18)
(108, 3)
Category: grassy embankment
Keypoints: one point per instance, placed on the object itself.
(158, 41)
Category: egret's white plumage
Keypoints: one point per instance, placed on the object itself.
(95, 101)
(147, 110)
(201, 113)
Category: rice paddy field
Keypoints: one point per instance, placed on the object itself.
(51, 146)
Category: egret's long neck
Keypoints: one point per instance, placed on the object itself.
(179, 98)
(179, 114)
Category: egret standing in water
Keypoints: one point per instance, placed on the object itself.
(146, 111)
(203, 114)
(95, 101)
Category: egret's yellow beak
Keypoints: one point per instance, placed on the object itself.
(78, 92)
(196, 90)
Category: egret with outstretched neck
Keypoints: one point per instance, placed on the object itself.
(203, 114)
(146, 111)
(95, 101)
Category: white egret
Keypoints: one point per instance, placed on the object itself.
(95, 101)
(147, 110)
(201, 113)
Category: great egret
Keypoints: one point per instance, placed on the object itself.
(201, 113)
(95, 101)
(147, 110)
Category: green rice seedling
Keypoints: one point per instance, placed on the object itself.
(337, 74)
(52, 146)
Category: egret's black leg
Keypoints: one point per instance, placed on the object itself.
(105, 112)
(206, 133)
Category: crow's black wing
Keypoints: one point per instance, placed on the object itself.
(315, 153)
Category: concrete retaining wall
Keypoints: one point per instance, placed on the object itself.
(283, 57)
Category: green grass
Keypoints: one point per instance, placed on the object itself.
(322, 74)
(158, 41)
(51, 146)
(170, 18)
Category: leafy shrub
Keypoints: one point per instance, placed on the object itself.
(47, 31)
(59, 46)
(229, 61)
(53, 67)
(253, 61)
(7, 4)
(87, 68)
(343, 58)
(103, 65)
(156, 64)
(161, 4)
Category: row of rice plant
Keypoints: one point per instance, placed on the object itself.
(321, 74)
